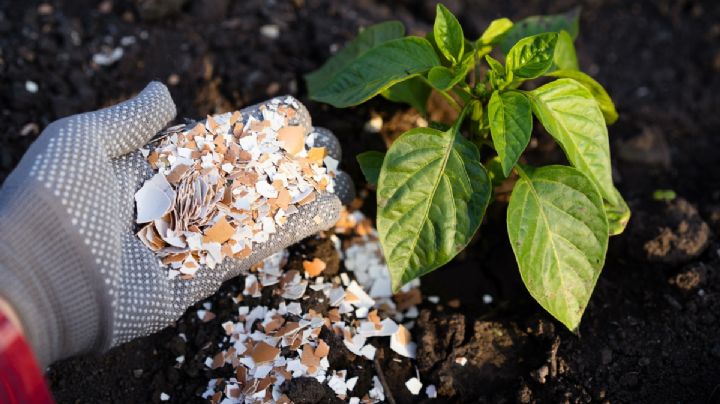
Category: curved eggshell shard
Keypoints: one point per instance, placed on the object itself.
(292, 139)
(154, 199)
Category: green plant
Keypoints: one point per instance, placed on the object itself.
(432, 185)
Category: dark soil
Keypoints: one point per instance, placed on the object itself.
(651, 333)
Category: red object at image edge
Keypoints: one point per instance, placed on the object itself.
(21, 380)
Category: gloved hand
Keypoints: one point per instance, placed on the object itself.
(70, 262)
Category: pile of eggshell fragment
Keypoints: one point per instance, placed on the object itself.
(268, 345)
(226, 184)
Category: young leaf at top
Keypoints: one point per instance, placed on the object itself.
(414, 92)
(559, 234)
(448, 34)
(565, 56)
(495, 32)
(496, 74)
(596, 89)
(618, 215)
(571, 115)
(370, 164)
(367, 39)
(510, 117)
(432, 194)
(378, 69)
(494, 64)
(537, 24)
(531, 56)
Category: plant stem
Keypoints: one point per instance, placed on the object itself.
(450, 100)
(463, 93)
(460, 118)
(476, 68)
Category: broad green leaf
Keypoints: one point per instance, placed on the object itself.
(443, 78)
(448, 34)
(414, 92)
(559, 234)
(571, 115)
(601, 96)
(441, 126)
(430, 37)
(531, 56)
(618, 215)
(510, 117)
(495, 32)
(367, 39)
(377, 70)
(432, 194)
(537, 24)
(370, 164)
(565, 57)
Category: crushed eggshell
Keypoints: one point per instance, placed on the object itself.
(268, 345)
(414, 385)
(263, 352)
(315, 267)
(222, 186)
(401, 342)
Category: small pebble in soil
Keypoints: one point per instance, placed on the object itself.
(173, 79)
(45, 9)
(108, 57)
(541, 374)
(31, 87)
(270, 31)
(374, 124)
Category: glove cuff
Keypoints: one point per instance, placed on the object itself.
(58, 302)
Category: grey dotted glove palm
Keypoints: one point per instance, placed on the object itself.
(70, 261)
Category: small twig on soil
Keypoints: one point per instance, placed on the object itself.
(388, 394)
(553, 357)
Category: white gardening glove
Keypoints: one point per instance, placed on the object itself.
(71, 263)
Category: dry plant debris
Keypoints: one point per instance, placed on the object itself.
(225, 184)
(268, 345)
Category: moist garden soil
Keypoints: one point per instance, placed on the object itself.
(651, 333)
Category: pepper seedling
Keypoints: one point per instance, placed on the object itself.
(433, 185)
